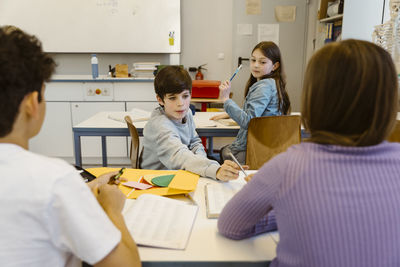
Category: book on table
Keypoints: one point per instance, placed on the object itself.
(158, 221)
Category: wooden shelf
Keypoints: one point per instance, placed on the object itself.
(334, 18)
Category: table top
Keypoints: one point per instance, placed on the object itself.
(208, 100)
(207, 245)
(102, 120)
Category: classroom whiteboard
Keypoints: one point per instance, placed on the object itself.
(98, 26)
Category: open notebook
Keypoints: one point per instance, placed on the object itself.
(158, 221)
(218, 194)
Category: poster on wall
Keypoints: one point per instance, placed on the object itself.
(268, 32)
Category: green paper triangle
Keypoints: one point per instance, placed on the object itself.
(163, 180)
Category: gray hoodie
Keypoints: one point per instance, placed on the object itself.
(171, 145)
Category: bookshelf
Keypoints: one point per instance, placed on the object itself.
(328, 28)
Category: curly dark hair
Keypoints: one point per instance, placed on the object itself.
(24, 67)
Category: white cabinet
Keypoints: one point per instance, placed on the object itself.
(55, 138)
(72, 100)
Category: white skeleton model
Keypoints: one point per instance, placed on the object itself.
(387, 35)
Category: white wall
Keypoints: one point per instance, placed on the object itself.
(207, 31)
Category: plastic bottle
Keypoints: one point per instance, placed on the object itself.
(95, 66)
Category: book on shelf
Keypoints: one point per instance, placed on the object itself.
(144, 70)
(158, 221)
(329, 33)
(145, 65)
(218, 194)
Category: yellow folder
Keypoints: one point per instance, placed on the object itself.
(182, 183)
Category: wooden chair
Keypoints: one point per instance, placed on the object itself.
(395, 135)
(269, 136)
(134, 153)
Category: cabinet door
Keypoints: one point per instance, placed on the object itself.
(91, 146)
(55, 137)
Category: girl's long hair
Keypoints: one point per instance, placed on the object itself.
(272, 52)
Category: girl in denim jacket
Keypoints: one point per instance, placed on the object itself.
(265, 94)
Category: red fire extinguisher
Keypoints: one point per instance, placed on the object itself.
(199, 74)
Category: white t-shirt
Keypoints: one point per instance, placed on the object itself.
(48, 215)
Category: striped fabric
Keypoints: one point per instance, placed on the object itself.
(334, 206)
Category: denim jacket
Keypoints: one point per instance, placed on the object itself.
(262, 100)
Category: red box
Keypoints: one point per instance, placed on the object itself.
(205, 89)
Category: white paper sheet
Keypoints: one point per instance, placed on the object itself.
(136, 115)
(159, 221)
(268, 32)
(218, 194)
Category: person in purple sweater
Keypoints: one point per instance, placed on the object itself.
(336, 198)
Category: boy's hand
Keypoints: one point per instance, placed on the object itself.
(109, 197)
(228, 171)
(105, 179)
(220, 116)
(224, 90)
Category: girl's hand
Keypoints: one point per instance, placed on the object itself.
(224, 90)
(220, 116)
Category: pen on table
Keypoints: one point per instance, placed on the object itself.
(115, 177)
(237, 162)
(237, 70)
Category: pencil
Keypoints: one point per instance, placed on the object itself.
(237, 70)
(237, 162)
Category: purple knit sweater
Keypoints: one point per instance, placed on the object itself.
(334, 206)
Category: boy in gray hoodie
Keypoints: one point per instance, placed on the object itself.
(170, 138)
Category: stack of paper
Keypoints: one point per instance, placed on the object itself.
(159, 221)
(144, 70)
(136, 115)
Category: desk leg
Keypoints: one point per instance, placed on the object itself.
(204, 106)
(104, 150)
(78, 154)
(210, 146)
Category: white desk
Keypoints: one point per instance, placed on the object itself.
(206, 247)
(101, 125)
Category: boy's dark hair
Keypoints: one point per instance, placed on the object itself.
(172, 80)
(350, 94)
(24, 67)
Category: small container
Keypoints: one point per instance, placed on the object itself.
(95, 66)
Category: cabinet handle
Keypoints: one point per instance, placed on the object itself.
(77, 106)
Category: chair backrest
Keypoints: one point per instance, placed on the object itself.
(395, 135)
(134, 154)
(269, 136)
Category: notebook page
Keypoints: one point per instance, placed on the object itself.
(218, 194)
(160, 222)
